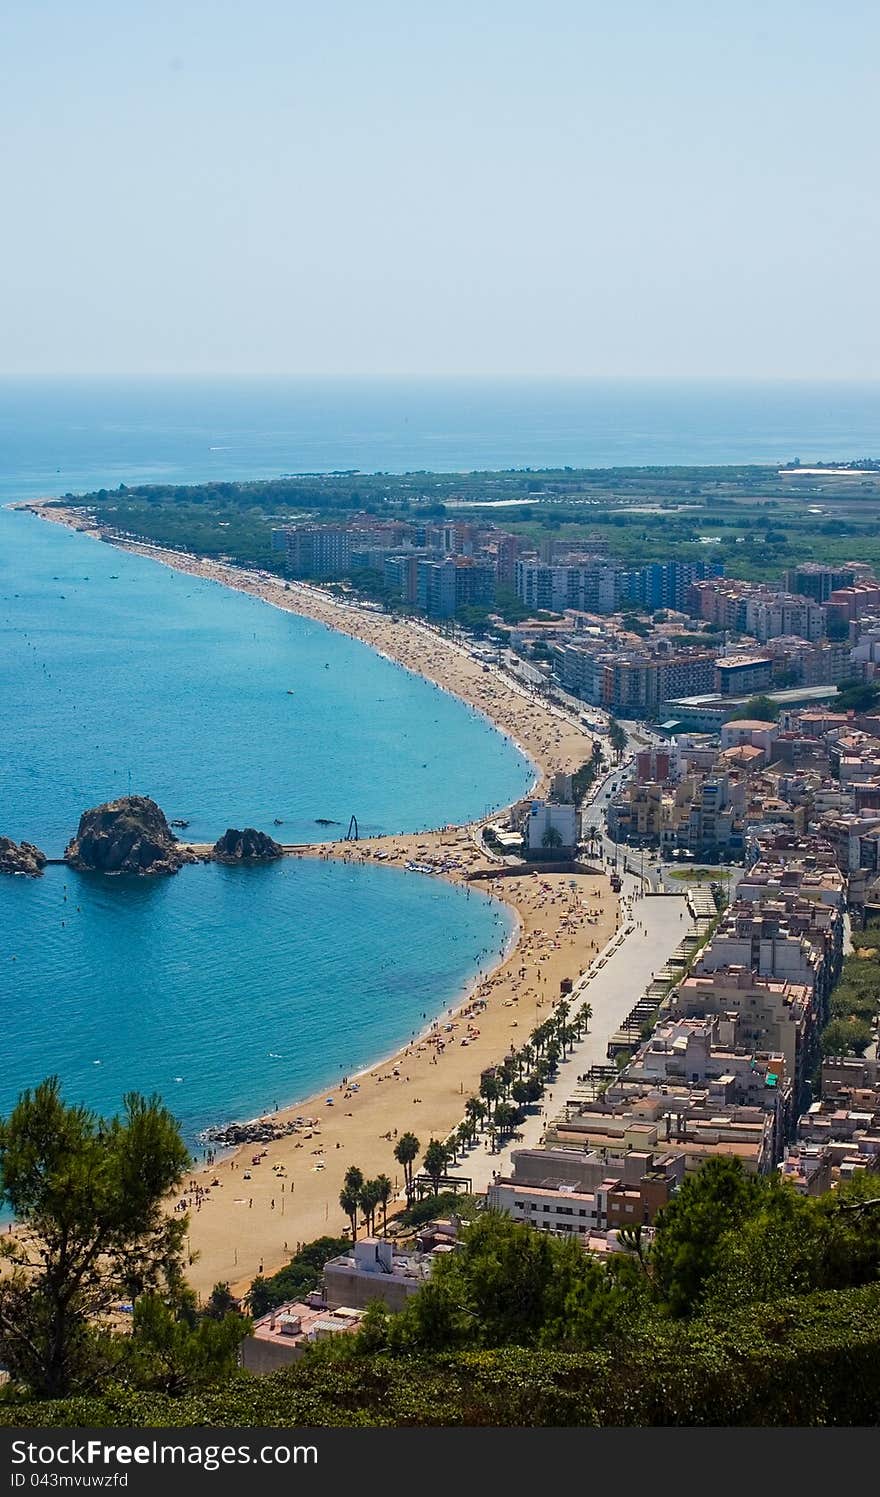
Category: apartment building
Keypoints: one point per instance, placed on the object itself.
(669, 1119)
(776, 1015)
(318, 552)
(444, 587)
(815, 581)
(605, 1193)
(592, 586)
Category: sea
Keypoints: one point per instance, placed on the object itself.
(228, 991)
(60, 436)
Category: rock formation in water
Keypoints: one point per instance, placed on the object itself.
(21, 857)
(249, 846)
(129, 835)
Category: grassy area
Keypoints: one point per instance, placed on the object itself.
(751, 519)
(694, 875)
(855, 1001)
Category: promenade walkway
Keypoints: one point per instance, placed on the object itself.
(653, 927)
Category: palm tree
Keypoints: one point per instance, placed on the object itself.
(552, 837)
(475, 1109)
(384, 1192)
(562, 1030)
(369, 1199)
(490, 1089)
(506, 1118)
(541, 1036)
(435, 1161)
(406, 1150)
(349, 1200)
(354, 1178)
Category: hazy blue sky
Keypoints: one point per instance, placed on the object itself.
(632, 187)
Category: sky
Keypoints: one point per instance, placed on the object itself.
(622, 188)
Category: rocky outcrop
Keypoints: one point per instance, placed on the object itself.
(21, 857)
(129, 835)
(249, 846)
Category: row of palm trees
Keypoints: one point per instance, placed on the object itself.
(361, 1197)
(505, 1090)
(520, 1079)
(365, 1196)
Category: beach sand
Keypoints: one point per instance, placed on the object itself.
(240, 1227)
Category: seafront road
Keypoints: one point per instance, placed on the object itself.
(663, 921)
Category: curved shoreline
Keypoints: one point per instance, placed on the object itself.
(419, 1036)
(523, 979)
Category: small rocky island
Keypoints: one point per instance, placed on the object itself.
(129, 835)
(248, 846)
(21, 858)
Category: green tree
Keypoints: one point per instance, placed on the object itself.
(552, 837)
(350, 1196)
(172, 1350)
(89, 1195)
(435, 1162)
(845, 1037)
(616, 736)
(370, 1195)
(760, 709)
(406, 1152)
(506, 1118)
(350, 1200)
(384, 1193)
(510, 1284)
(490, 1091)
(690, 1229)
(857, 696)
(297, 1278)
(220, 1302)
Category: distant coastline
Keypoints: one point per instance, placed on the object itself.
(408, 643)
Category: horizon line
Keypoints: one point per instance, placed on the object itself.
(364, 377)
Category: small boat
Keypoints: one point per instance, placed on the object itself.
(290, 693)
(180, 822)
(278, 821)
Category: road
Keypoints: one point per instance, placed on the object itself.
(612, 992)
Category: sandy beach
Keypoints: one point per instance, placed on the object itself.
(241, 1226)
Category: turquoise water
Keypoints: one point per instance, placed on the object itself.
(118, 674)
(227, 990)
(253, 986)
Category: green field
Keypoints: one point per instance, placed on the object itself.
(755, 521)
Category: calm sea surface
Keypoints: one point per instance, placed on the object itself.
(251, 986)
(56, 438)
(227, 990)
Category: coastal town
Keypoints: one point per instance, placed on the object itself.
(440, 752)
(695, 874)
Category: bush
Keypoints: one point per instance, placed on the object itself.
(813, 1360)
(846, 1037)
